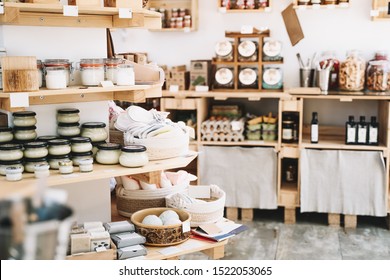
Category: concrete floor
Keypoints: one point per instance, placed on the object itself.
(268, 238)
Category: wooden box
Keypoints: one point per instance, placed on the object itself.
(181, 79)
(110, 254)
(134, 4)
(85, 3)
(116, 136)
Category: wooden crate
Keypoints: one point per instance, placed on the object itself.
(116, 136)
(110, 254)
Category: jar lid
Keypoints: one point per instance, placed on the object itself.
(33, 127)
(93, 125)
(223, 48)
(68, 124)
(35, 144)
(113, 61)
(85, 161)
(224, 76)
(91, 62)
(58, 142)
(68, 111)
(66, 162)
(95, 144)
(134, 149)
(247, 48)
(56, 62)
(81, 154)
(43, 159)
(80, 140)
(55, 68)
(272, 76)
(58, 157)
(247, 76)
(47, 138)
(272, 48)
(5, 129)
(9, 147)
(11, 162)
(109, 146)
(125, 66)
(24, 114)
(41, 167)
(13, 170)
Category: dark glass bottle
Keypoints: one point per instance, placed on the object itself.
(314, 128)
(362, 131)
(350, 131)
(373, 132)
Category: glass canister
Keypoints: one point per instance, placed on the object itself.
(108, 153)
(111, 65)
(247, 78)
(9, 152)
(6, 134)
(56, 77)
(68, 115)
(24, 118)
(92, 71)
(125, 75)
(352, 72)
(326, 58)
(65, 63)
(14, 173)
(96, 131)
(378, 75)
(224, 51)
(36, 149)
(25, 133)
(224, 78)
(247, 51)
(68, 129)
(272, 78)
(40, 72)
(59, 147)
(272, 50)
(133, 156)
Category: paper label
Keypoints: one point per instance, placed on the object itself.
(267, 9)
(362, 134)
(173, 88)
(222, 10)
(106, 84)
(19, 99)
(202, 88)
(125, 13)
(170, 251)
(71, 11)
(374, 13)
(351, 134)
(246, 29)
(186, 227)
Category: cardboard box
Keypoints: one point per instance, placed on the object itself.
(200, 73)
(181, 79)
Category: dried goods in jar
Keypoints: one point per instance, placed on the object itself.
(352, 73)
(378, 76)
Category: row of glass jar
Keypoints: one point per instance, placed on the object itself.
(56, 73)
(241, 4)
(248, 50)
(174, 18)
(272, 78)
(321, 2)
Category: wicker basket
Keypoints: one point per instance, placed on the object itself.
(129, 202)
(205, 213)
(161, 235)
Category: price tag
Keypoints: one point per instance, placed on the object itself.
(1, 9)
(19, 100)
(71, 11)
(316, 6)
(344, 5)
(186, 29)
(246, 29)
(222, 10)
(125, 13)
(186, 227)
(374, 13)
(106, 84)
(202, 88)
(174, 88)
(330, 6)
(267, 9)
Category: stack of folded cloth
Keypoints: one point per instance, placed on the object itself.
(128, 242)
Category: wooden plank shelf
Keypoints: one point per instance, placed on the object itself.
(340, 145)
(27, 186)
(33, 14)
(223, 95)
(241, 143)
(137, 93)
(320, 6)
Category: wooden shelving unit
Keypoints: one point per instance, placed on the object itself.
(137, 94)
(32, 14)
(241, 143)
(223, 9)
(223, 95)
(380, 10)
(320, 6)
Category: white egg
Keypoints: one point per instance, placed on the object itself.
(167, 215)
(152, 220)
(172, 221)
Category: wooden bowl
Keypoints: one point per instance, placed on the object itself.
(161, 235)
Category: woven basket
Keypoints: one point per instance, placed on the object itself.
(129, 202)
(205, 213)
(161, 235)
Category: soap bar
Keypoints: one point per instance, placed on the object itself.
(118, 227)
(88, 225)
(96, 229)
(80, 243)
(131, 252)
(99, 239)
(126, 239)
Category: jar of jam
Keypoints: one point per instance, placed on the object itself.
(287, 130)
(247, 78)
(247, 51)
(224, 51)
(378, 76)
(224, 78)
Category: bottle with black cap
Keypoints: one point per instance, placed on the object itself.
(373, 129)
(314, 128)
(350, 131)
(362, 131)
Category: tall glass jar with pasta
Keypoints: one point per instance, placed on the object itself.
(352, 72)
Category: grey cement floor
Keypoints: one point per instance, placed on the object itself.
(268, 238)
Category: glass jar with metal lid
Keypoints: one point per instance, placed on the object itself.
(13, 173)
(133, 156)
(36, 149)
(287, 130)
(10, 152)
(54, 161)
(68, 129)
(247, 78)
(95, 131)
(224, 51)
(247, 51)
(68, 115)
(25, 133)
(65, 166)
(41, 170)
(6, 134)
(111, 73)
(224, 78)
(11, 163)
(125, 76)
(352, 72)
(64, 63)
(272, 50)
(56, 77)
(378, 74)
(29, 163)
(24, 118)
(108, 153)
(92, 71)
(59, 147)
(272, 78)
(81, 144)
(77, 157)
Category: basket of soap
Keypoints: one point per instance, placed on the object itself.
(162, 226)
(204, 203)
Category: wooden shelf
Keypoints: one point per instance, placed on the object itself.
(183, 30)
(136, 93)
(339, 145)
(319, 6)
(27, 186)
(223, 95)
(241, 143)
(380, 10)
(32, 14)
